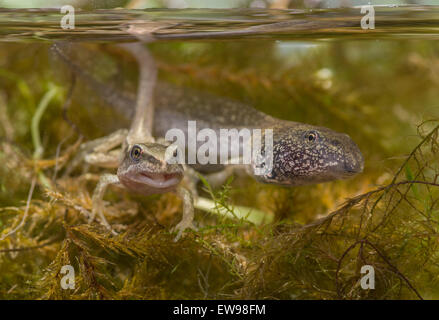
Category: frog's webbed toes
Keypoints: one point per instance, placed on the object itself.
(98, 202)
(98, 209)
(183, 226)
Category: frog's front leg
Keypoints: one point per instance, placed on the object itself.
(98, 198)
(188, 212)
(217, 179)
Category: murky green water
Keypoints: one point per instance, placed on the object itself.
(316, 66)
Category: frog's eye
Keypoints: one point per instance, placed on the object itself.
(136, 152)
(311, 136)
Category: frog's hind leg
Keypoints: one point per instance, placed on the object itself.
(142, 124)
(100, 152)
(188, 212)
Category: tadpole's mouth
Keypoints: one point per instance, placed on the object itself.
(159, 180)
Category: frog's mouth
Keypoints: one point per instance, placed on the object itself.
(159, 180)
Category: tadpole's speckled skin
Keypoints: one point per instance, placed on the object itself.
(297, 161)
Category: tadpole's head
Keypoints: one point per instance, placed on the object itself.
(309, 154)
(145, 170)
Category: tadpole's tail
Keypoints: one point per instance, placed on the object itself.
(119, 102)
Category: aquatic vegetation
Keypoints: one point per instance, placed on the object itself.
(321, 235)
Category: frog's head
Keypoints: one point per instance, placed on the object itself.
(308, 154)
(144, 169)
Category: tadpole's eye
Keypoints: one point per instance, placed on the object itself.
(311, 136)
(136, 152)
